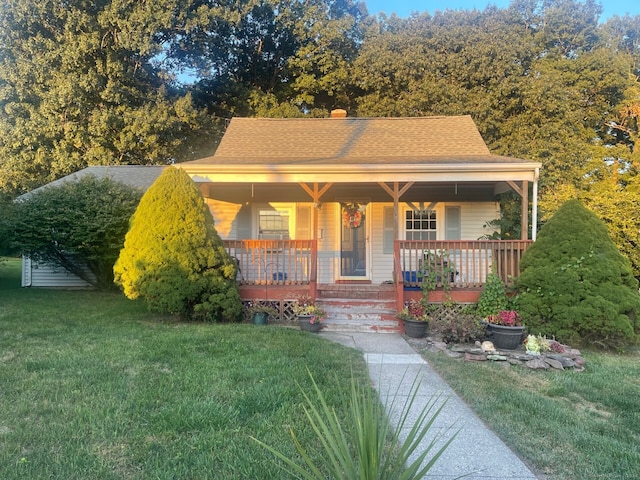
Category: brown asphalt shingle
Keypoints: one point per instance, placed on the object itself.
(351, 140)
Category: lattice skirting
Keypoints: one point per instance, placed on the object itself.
(283, 307)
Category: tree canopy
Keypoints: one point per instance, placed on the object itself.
(81, 84)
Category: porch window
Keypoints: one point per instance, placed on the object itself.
(420, 225)
(273, 224)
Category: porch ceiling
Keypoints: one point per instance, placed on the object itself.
(293, 192)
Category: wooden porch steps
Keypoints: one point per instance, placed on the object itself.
(359, 308)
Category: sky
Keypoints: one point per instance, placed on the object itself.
(403, 8)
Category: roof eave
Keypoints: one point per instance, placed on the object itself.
(364, 173)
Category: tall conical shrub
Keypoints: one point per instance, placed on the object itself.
(576, 285)
(173, 256)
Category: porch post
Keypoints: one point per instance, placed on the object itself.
(524, 224)
(534, 208)
(396, 249)
(396, 193)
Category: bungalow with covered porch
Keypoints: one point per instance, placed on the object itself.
(354, 210)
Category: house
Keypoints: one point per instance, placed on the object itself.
(354, 208)
(339, 206)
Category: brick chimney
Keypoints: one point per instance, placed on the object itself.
(338, 113)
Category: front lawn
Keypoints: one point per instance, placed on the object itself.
(567, 425)
(95, 387)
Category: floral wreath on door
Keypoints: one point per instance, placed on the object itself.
(352, 214)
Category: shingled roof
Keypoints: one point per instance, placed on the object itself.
(262, 141)
(138, 176)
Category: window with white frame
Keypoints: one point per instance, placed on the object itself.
(420, 225)
(273, 224)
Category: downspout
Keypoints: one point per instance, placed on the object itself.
(534, 207)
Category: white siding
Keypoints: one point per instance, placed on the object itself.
(474, 216)
(44, 275)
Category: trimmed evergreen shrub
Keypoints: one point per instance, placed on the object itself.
(575, 285)
(173, 256)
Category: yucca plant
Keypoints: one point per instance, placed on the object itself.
(366, 446)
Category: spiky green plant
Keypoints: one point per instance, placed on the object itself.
(365, 446)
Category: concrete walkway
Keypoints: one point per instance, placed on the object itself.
(476, 452)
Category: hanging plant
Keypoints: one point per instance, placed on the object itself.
(352, 214)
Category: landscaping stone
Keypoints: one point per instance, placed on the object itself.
(570, 359)
(565, 361)
(475, 357)
(459, 348)
(537, 364)
(553, 363)
(453, 354)
(497, 358)
(488, 346)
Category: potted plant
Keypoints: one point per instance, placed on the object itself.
(505, 329)
(260, 312)
(310, 315)
(414, 318)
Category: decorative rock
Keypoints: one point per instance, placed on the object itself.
(480, 351)
(459, 348)
(439, 346)
(487, 346)
(537, 364)
(474, 357)
(497, 358)
(572, 352)
(554, 363)
(451, 354)
(566, 362)
(475, 351)
(522, 357)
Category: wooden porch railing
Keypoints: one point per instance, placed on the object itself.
(458, 263)
(274, 262)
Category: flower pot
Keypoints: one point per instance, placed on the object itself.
(415, 329)
(260, 318)
(306, 325)
(507, 338)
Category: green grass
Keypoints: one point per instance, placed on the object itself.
(566, 425)
(92, 386)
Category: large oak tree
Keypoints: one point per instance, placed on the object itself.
(82, 83)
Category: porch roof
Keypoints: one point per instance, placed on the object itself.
(430, 149)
